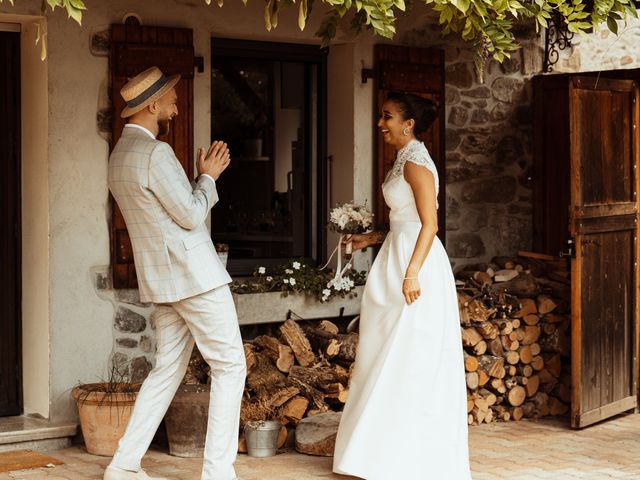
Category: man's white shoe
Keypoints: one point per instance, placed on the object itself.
(112, 473)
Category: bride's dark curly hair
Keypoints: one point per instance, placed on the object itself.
(422, 110)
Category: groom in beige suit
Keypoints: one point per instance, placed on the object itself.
(179, 271)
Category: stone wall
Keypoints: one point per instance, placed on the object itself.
(603, 50)
(489, 151)
(133, 330)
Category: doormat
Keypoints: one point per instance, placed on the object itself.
(24, 459)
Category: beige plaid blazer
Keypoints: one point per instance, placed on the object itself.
(165, 215)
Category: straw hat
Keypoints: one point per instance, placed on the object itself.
(144, 88)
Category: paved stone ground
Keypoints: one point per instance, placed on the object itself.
(524, 450)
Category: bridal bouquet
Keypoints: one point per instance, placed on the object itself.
(350, 218)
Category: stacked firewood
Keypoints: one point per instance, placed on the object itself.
(515, 322)
(302, 370)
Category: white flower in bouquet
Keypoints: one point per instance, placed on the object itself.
(262, 270)
(296, 265)
(350, 218)
(292, 281)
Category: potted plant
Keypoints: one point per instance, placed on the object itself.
(104, 409)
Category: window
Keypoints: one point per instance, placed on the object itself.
(268, 103)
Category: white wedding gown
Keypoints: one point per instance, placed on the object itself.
(406, 417)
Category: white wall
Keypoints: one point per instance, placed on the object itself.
(71, 203)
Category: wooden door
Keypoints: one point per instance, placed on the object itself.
(604, 224)
(10, 254)
(419, 71)
(133, 50)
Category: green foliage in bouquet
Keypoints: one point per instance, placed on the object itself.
(297, 277)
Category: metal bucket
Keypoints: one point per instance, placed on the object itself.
(262, 438)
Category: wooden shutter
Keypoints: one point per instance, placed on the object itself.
(605, 160)
(133, 50)
(419, 71)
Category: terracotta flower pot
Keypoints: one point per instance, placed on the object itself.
(186, 421)
(103, 416)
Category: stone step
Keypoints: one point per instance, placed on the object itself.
(26, 433)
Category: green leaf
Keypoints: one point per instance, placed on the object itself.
(612, 24)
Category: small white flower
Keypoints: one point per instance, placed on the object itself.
(269, 279)
(262, 270)
(286, 280)
(296, 265)
(288, 271)
(326, 292)
(292, 281)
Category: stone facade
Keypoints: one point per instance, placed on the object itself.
(489, 151)
(603, 50)
(133, 329)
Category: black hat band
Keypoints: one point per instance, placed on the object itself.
(148, 93)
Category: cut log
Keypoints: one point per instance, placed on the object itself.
(562, 392)
(299, 343)
(556, 407)
(480, 348)
(516, 396)
(505, 326)
(483, 378)
(524, 370)
(249, 355)
(553, 364)
(498, 385)
(491, 364)
(470, 337)
(541, 401)
(512, 357)
(295, 409)
(531, 319)
(470, 362)
(535, 349)
(517, 413)
(508, 343)
(333, 345)
(489, 397)
(537, 363)
(472, 380)
(523, 286)
(336, 392)
(546, 377)
(528, 306)
(531, 335)
(525, 354)
(545, 304)
(318, 377)
(495, 347)
(505, 275)
(281, 355)
(264, 376)
(532, 385)
(328, 327)
(488, 330)
(501, 413)
(470, 404)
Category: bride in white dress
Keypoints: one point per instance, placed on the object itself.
(406, 418)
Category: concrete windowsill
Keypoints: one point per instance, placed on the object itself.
(256, 308)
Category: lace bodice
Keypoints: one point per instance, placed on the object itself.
(397, 192)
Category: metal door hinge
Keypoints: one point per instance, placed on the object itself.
(571, 250)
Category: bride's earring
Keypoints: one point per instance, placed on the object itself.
(406, 131)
